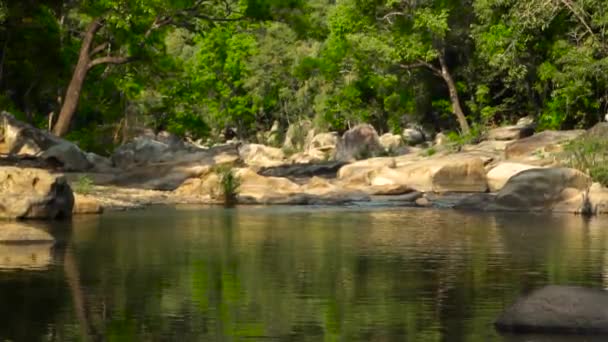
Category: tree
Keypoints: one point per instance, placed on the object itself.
(122, 31)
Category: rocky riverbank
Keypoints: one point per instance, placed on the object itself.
(513, 169)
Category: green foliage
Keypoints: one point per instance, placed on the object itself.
(229, 185)
(83, 185)
(457, 140)
(590, 155)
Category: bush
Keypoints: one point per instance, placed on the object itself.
(457, 140)
(84, 185)
(229, 185)
(589, 154)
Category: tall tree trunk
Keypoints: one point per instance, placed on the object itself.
(456, 107)
(72, 96)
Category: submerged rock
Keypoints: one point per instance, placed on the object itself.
(558, 309)
(34, 194)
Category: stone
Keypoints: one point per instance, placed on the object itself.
(139, 151)
(514, 132)
(34, 194)
(99, 163)
(168, 176)
(413, 136)
(256, 189)
(546, 141)
(597, 198)
(11, 232)
(534, 190)
(325, 142)
(358, 173)
(308, 170)
(391, 142)
(600, 130)
(501, 173)
(261, 155)
(68, 155)
(86, 205)
(360, 142)
(22, 139)
(452, 173)
(296, 135)
(558, 309)
(525, 121)
(440, 139)
(423, 202)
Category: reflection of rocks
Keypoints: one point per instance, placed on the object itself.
(558, 309)
(24, 247)
(34, 194)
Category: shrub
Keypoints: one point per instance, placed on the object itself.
(229, 185)
(589, 154)
(84, 185)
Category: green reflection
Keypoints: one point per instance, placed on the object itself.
(306, 274)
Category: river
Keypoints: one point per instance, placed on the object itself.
(295, 274)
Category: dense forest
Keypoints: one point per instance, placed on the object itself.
(87, 69)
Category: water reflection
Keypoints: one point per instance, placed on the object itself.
(297, 274)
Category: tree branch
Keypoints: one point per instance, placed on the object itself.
(422, 64)
(110, 60)
(99, 48)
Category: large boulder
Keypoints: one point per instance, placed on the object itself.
(537, 189)
(139, 151)
(359, 173)
(169, 176)
(261, 155)
(360, 142)
(308, 170)
(86, 205)
(514, 132)
(22, 139)
(324, 142)
(544, 142)
(558, 309)
(452, 173)
(501, 173)
(413, 136)
(34, 194)
(391, 142)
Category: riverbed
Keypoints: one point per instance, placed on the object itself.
(353, 273)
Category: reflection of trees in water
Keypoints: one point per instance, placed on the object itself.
(354, 276)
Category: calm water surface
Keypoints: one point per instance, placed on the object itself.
(295, 274)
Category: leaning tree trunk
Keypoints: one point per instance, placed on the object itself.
(456, 107)
(72, 96)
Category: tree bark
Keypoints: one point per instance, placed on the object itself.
(456, 107)
(72, 95)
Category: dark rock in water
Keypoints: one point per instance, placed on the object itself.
(326, 169)
(558, 309)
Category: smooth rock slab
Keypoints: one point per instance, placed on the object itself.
(558, 309)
